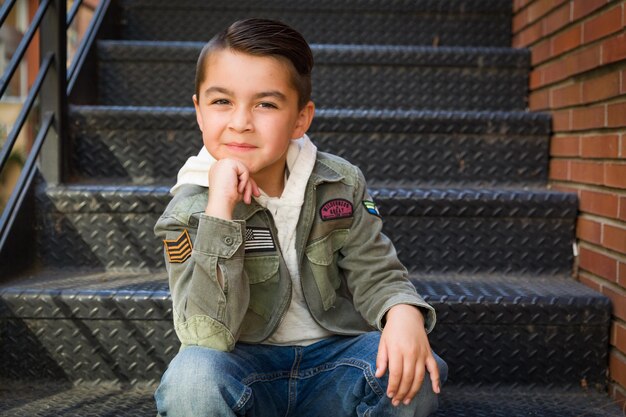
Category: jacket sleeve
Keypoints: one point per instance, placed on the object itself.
(205, 313)
(374, 274)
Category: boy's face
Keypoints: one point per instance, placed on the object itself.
(248, 110)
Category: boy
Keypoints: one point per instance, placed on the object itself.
(287, 298)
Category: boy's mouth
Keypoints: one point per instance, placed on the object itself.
(240, 147)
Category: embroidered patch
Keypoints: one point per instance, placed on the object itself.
(336, 209)
(259, 239)
(179, 249)
(371, 208)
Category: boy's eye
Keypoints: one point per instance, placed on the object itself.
(267, 105)
(221, 101)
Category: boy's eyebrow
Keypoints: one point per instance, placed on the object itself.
(218, 90)
(272, 93)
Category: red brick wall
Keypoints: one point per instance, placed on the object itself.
(578, 50)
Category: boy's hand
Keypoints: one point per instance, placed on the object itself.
(229, 183)
(405, 350)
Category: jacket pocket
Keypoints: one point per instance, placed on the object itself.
(262, 273)
(323, 256)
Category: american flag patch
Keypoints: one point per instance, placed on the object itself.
(259, 239)
(179, 249)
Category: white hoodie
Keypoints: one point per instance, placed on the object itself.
(298, 326)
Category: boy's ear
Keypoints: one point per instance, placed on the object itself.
(197, 107)
(305, 117)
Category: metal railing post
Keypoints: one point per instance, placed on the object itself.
(53, 38)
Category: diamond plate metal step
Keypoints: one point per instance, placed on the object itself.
(65, 400)
(146, 144)
(508, 402)
(394, 22)
(493, 329)
(445, 230)
(345, 76)
(56, 398)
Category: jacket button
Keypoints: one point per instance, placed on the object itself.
(228, 240)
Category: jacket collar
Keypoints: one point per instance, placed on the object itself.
(324, 173)
(321, 173)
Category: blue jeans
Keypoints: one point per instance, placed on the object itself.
(332, 377)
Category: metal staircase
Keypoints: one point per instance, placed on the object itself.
(426, 96)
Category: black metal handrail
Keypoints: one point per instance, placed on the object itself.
(51, 87)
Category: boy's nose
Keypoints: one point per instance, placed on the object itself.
(241, 120)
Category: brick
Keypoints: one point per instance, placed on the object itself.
(618, 394)
(598, 264)
(536, 78)
(566, 96)
(614, 237)
(539, 100)
(557, 19)
(557, 70)
(571, 64)
(605, 146)
(540, 52)
(622, 83)
(588, 117)
(622, 211)
(622, 146)
(583, 8)
(615, 175)
(529, 35)
(567, 40)
(564, 146)
(559, 169)
(617, 367)
(595, 202)
(614, 49)
(520, 20)
(618, 299)
(540, 8)
(600, 88)
(603, 24)
(616, 114)
(621, 274)
(562, 120)
(589, 230)
(587, 172)
(618, 336)
(588, 282)
(587, 59)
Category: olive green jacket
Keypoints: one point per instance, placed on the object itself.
(350, 273)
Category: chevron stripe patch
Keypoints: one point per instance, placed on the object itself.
(179, 249)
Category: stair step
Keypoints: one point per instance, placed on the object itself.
(504, 401)
(146, 144)
(66, 400)
(518, 330)
(492, 329)
(398, 22)
(345, 76)
(63, 399)
(445, 230)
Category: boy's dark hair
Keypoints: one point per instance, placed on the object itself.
(263, 37)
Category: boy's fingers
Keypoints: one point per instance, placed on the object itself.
(255, 188)
(408, 376)
(381, 360)
(433, 370)
(395, 376)
(247, 194)
(417, 383)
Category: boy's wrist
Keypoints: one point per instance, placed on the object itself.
(219, 210)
